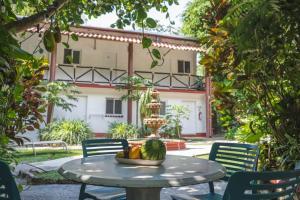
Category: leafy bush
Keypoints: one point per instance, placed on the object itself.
(174, 115)
(69, 131)
(122, 131)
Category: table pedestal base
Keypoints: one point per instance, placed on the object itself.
(143, 193)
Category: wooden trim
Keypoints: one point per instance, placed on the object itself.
(208, 107)
(130, 73)
(182, 91)
(101, 135)
(194, 135)
(87, 85)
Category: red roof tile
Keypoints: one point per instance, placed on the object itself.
(171, 42)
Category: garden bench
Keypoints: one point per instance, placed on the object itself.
(43, 143)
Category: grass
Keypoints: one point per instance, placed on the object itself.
(204, 156)
(51, 175)
(45, 154)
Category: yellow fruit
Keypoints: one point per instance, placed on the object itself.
(135, 152)
(120, 154)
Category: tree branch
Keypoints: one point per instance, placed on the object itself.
(27, 22)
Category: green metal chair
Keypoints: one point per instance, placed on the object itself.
(234, 157)
(8, 187)
(98, 147)
(257, 186)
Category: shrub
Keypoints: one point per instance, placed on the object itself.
(69, 131)
(175, 114)
(122, 131)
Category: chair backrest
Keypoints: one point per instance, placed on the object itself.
(97, 147)
(235, 157)
(8, 187)
(262, 185)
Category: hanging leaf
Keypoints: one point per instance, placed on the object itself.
(141, 14)
(146, 42)
(74, 37)
(156, 53)
(66, 45)
(151, 23)
(154, 63)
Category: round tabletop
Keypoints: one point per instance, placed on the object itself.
(175, 171)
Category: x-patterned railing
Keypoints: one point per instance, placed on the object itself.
(90, 74)
(173, 80)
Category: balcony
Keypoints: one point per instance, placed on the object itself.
(112, 77)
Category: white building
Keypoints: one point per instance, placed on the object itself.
(101, 57)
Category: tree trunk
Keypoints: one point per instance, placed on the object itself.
(28, 22)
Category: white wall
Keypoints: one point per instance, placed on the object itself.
(112, 54)
(181, 99)
(95, 105)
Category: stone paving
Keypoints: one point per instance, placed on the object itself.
(71, 191)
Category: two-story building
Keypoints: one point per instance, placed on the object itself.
(102, 57)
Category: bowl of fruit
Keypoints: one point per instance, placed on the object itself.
(151, 153)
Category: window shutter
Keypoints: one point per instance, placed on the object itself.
(67, 56)
(180, 66)
(76, 57)
(187, 67)
(118, 107)
(109, 106)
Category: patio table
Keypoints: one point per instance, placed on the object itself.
(142, 182)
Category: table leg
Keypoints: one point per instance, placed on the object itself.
(143, 193)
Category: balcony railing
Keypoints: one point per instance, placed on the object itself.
(108, 76)
(173, 80)
(87, 74)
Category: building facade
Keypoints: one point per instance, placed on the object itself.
(101, 58)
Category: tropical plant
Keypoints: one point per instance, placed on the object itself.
(70, 131)
(135, 87)
(252, 55)
(174, 115)
(118, 130)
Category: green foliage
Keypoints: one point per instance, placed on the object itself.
(7, 153)
(122, 131)
(59, 94)
(135, 86)
(21, 102)
(194, 17)
(253, 57)
(174, 115)
(70, 131)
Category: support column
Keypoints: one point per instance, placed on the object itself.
(52, 71)
(208, 106)
(130, 73)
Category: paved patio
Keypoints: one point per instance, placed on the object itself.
(71, 191)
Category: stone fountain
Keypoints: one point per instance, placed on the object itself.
(154, 121)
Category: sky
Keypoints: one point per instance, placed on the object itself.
(174, 10)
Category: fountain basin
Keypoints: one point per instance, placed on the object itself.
(171, 144)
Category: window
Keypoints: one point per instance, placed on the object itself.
(114, 106)
(162, 108)
(71, 56)
(184, 66)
